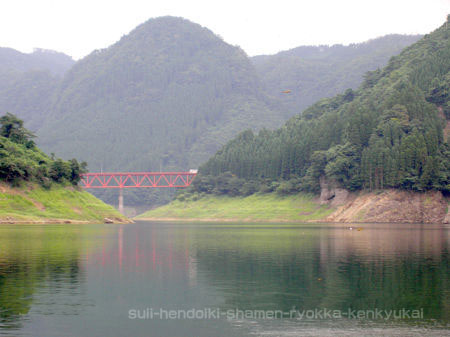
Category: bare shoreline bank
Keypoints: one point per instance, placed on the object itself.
(61, 221)
(271, 221)
(385, 206)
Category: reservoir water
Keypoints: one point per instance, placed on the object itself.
(167, 279)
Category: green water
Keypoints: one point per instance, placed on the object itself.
(153, 279)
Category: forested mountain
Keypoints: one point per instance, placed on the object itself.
(28, 82)
(167, 95)
(314, 72)
(388, 133)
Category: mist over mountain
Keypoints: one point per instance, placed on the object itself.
(314, 72)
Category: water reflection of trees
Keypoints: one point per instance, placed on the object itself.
(36, 259)
(335, 268)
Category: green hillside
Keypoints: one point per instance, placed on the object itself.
(253, 208)
(57, 204)
(35, 187)
(388, 133)
(315, 72)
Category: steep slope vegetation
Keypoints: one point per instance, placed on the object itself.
(315, 72)
(386, 134)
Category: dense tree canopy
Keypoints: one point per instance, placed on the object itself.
(12, 127)
(388, 133)
(21, 160)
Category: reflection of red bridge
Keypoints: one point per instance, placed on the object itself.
(151, 253)
(123, 180)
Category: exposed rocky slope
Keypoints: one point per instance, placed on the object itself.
(393, 206)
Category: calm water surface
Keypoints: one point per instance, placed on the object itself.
(153, 279)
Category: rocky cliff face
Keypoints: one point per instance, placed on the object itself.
(384, 206)
(331, 193)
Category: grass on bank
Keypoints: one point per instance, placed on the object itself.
(257, 207)
(32, 202)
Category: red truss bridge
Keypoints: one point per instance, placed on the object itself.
(121, 180)
(137, 179)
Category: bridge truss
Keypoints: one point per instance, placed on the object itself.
(137, 179)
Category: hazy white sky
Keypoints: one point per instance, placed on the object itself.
(259, 27)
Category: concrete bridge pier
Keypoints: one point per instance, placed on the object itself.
(120, 200)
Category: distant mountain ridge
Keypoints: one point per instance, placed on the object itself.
(40, 59)
(28, 82)
(314, 72)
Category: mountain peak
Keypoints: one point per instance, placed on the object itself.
(180, 80)
(170, 28)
